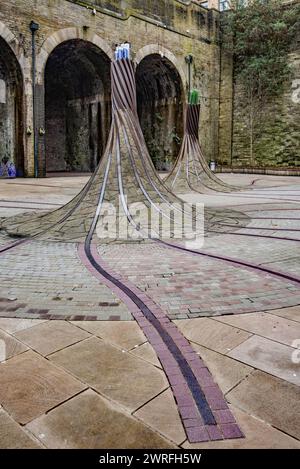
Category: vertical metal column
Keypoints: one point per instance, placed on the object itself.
(34, 27)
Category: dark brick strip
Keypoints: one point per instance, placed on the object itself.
(198, 397)
(236, 261)
(12, 245)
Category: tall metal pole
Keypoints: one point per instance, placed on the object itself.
(34, 27)
(189, 61)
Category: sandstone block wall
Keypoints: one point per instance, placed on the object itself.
(173, 28)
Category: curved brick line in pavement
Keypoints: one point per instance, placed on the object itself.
(250, 196)
(295, 209)
(266, 191)
(203, 409)
(235, 233)
(235, 261)
(263, 218)
(9, 246)
(28, 202)
(269, 228)
(23, 208)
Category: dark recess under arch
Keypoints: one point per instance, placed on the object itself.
(160, 108)
(77, 106)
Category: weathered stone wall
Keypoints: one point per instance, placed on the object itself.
(160, 107)
(10, 108)
(226, 110)
(276, 136)
(173, 28)
(277, 126)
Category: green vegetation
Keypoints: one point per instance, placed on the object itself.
(259, 34)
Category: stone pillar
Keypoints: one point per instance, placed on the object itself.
(40, 128)
(28, 121)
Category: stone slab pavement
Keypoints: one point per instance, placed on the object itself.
(87, 383)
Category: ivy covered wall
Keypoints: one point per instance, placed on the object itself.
(266, 132)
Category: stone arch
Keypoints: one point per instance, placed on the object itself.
(9, 38)
(64, 35)
(164, 52)
(11, 100)
(77, 105)
(160, 98)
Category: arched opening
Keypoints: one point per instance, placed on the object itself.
(160, 108)
(11, 109)
(77, 106)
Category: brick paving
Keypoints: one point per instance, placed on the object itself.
(47, 280)
(198, 397)
(187, 286)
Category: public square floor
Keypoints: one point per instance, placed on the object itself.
(79, 371)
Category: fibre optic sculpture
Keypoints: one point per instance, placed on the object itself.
(125, 177)
(124, 183)
(191, 171)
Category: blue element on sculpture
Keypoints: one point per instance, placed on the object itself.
(7, 169)
(11, 170)
(123, 51)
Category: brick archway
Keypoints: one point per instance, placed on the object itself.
(77, 106)
(161, 97)
(9, 38)
(11, 99)
(48, 47)
(151, 49)
(64, 35)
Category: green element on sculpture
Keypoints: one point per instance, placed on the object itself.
(191, 171)
(125, 174)
(194, 97)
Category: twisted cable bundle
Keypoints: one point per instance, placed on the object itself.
(191, 171)
(124, 178)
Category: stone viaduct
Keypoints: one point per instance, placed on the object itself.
(55, 82)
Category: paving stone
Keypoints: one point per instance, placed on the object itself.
(12, 325)
(125, 334)
(92, 422)
(226, 371)
(51, 336)
(50, 276)
(185, 285)
(9, 347)
(165, 272)
(119, 376)
(161, 414)
(196, 434)
(269, 356)
(271, 399)
(211, 334)
(258, 435)
(147, 352)
(31, 385)
(12, 436)
(292, 313)
(266, 325)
